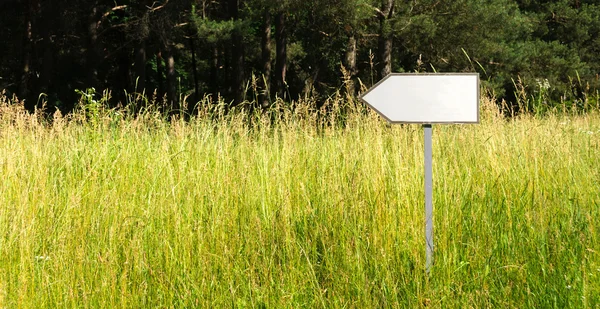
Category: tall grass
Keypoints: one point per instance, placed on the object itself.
(301, 211)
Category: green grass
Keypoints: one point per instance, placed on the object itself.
(145, 213)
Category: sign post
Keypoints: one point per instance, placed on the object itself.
(442, 98)
(428, 196)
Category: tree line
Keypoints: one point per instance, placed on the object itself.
(260, 50)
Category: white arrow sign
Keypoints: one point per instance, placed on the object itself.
(426, 98)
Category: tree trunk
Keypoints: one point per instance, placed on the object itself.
(140, 67)
(309, 90)
(385, 38)
(30, 7)
(281, 55)
(159, 75)
(196, 96)
(238, 68)
(46, 74)
(265, 97)
(172, 102)
(237, 54)
(214, 73)
(350, 64)
(93, 54)
(123, 77)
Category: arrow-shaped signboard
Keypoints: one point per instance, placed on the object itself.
(427, 99)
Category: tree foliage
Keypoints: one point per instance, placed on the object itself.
(193, 48)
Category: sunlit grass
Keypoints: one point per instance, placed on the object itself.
(215, 213)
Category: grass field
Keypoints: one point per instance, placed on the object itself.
(302, 212)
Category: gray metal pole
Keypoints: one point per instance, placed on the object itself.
(428, 197)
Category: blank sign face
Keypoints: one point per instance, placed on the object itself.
(426, 98)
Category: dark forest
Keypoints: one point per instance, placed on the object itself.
(260, 50)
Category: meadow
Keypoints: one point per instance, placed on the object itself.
(296, 209)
